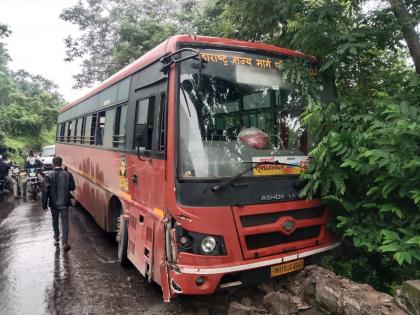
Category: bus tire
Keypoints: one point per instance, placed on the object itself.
(123, 242)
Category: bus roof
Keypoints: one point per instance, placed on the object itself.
(170, 44)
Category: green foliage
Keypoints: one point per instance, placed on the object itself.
(367, 169)
(28, 109)
(114, 33)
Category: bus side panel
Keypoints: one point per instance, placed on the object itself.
(96, 173)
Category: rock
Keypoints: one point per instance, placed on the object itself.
(129, 279)
(203, 311)
(266, 287)
(300, 305)
(236, 308)
(326, 291)
(259, 311)
(279, 303)
(246, 301)
(408, 297)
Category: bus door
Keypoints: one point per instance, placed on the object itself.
(148, 171)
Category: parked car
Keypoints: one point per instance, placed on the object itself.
(47, 155)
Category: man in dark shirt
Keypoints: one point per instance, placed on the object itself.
(56, 194)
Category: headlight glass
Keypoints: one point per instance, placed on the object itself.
(208, 244)
(199, 243)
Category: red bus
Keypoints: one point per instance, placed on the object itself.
(191, 155)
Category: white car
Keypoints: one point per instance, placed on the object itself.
(47, 155)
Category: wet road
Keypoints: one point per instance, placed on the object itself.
(37, 277)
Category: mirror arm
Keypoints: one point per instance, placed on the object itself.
(168, 60)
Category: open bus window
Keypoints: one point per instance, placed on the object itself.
(62, 131)
(92, 128)
(118, 138)
(76, 121)
(68, 131)
(100, 129)
(145, 110)
(82, 131)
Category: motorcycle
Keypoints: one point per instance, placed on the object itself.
(33, 185)
(4, 190)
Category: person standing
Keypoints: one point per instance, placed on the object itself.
(56, 194)
(5, 174)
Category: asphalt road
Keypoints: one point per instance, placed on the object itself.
(37, 277)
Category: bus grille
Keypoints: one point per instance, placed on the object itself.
(257, 241)
(261, 231)
(266, 218)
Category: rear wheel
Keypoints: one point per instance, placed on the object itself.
(122, 238)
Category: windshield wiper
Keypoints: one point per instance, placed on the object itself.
(253, 165)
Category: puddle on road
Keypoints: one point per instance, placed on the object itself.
(36, 278)
(26, 259)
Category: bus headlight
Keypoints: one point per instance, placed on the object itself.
(199, 243)
(208, 244)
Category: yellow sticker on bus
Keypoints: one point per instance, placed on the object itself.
(295, 165)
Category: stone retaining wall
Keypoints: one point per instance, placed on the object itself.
(316, 290)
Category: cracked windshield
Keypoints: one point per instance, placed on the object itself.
(237, 108)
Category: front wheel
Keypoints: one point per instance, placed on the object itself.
(122, 237)
(34, 192)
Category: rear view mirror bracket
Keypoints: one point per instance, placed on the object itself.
(170, 59)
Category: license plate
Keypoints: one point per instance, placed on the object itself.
(294, 265)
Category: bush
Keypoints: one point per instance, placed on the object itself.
(367, 169)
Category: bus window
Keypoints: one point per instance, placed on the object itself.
(82, 130)
(162, 123)
(144, 123)
(100, 128)
(57, 133)
(68, 131)
(62, 131)
(77, 131)
(92, 128)
(76, 123)
(108, 129)
(118, 139)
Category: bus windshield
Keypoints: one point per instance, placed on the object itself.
(237, 109)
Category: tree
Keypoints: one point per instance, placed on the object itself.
(4, 59)
(114, 33)
(408, 22)
(28, 106)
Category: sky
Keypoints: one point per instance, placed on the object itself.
(37, 40)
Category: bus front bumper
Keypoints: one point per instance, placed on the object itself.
(206, 280)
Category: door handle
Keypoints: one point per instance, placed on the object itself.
(134, 179)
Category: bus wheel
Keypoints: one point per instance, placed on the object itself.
(122, 237)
